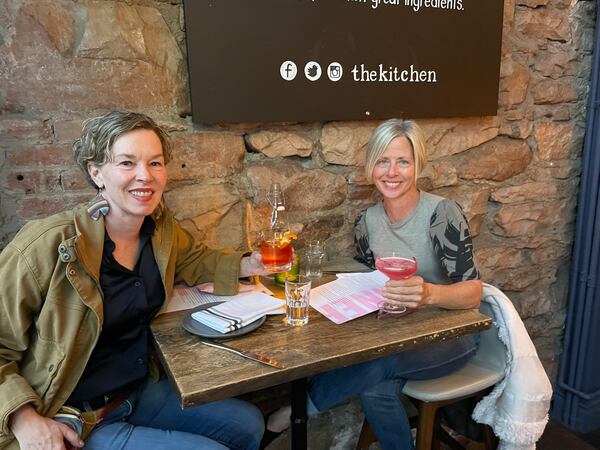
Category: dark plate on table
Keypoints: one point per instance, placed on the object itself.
(199, 329)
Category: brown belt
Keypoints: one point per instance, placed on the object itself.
(90, 419)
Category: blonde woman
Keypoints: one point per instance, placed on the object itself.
(414, 223)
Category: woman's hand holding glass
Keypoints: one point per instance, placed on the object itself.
(410, 293)
(252, 265)
(397, 268)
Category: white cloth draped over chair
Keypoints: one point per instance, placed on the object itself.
(517, 408)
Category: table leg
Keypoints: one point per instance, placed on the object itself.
(299, 416)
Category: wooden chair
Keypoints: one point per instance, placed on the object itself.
(476, 379)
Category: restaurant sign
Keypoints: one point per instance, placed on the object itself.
(321, 60)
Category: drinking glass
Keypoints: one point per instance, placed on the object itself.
(297, 301)
(313, 258)
(396, 267)
(276, 250)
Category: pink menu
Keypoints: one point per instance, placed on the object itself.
(349, 297)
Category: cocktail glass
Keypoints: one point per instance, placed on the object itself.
(395, 267)
(276, 250)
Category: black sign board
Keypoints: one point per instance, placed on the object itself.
(321, 60)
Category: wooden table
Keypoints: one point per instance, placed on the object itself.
(202, 374)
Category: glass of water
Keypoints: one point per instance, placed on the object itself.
(297, 301)
(313, 258)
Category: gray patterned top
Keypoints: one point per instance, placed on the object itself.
(436, 233)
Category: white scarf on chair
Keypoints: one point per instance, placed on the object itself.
(517, 408)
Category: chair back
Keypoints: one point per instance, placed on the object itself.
(491, 352)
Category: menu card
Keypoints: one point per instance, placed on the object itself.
(187, 297)
(350, 296)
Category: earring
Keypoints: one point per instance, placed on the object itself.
(158, 212)
(98, 206)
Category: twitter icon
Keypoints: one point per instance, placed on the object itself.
(312, 71)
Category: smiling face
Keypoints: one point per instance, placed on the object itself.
(135, 176)
(394, 172)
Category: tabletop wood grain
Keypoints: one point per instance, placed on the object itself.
(201, 374)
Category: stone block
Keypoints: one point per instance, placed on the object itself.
(357, 192)
(346, 143)
(199, 156)
(555, 91)
(282, 143)
(126, 58)
(492, 259)
(211, 212)
(439, 174)
(305, 190)
(535, 191)
(561, 170)
(447, 137)
(320, 228)
(57, 22)
(518, 129)
(472, 199)
(557, 63)
(551, 253)
(543, 23)
(558, 140)
(497, 160)
(357, 176)
(523, 219)
(514, 81)
(518, 280)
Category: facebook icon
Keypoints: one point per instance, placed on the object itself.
(288, 70)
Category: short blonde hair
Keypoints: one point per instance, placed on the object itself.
(100, 133)
(385, 133)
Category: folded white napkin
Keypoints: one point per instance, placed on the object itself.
(237, 313)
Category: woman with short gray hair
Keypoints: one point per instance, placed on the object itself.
(78, 292)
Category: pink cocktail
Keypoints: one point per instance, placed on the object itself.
(395, 267)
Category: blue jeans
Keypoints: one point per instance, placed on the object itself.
(151, 418)
(378, 385)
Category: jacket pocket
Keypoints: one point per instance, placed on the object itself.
(42, 365)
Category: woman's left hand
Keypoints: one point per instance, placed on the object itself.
(252, 265)
(411, 292)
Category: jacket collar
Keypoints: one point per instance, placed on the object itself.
(90, 241)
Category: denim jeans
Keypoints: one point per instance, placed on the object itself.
(378, 385)
(151, 418)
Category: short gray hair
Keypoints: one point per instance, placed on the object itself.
(100, 133)
(385, 133)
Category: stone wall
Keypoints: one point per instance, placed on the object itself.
(516, 174)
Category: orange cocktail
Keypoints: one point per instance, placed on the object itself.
(276, 250)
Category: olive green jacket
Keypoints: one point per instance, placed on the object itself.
(51, 309)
